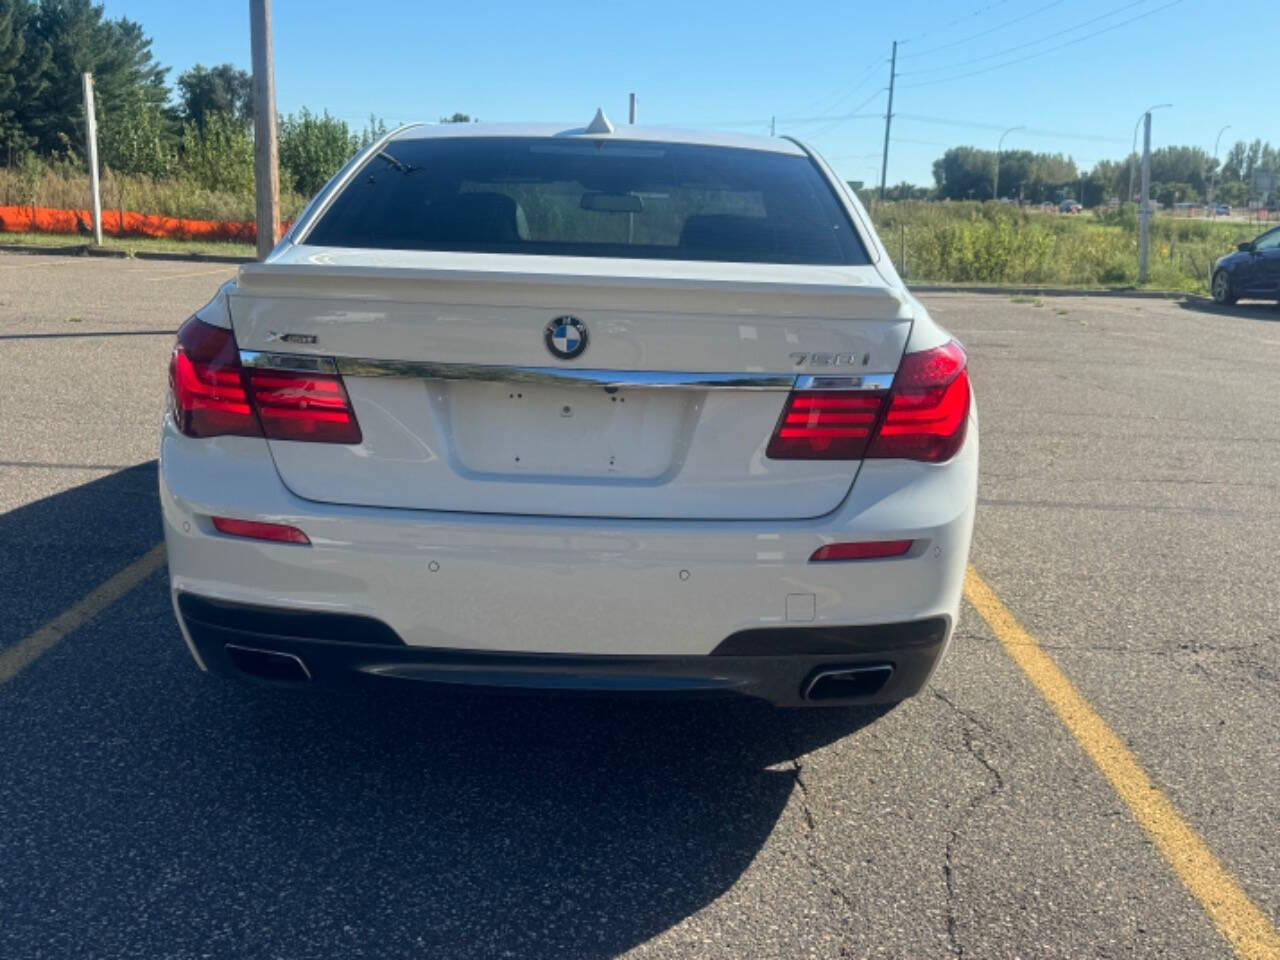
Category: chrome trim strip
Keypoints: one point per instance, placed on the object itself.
(299, 362)
(871, 381)
(647, 379)
(561, 376)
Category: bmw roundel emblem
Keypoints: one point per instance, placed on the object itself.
(566, 337)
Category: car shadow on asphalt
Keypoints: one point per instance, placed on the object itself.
(1253, 310)
(151, 810)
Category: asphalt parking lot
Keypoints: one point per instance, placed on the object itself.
(1129, 520)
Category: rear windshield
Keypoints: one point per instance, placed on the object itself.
(592, 198)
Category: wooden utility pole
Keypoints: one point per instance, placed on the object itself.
(888, 117)
(91, 139)
(633, 109)
(266, 174)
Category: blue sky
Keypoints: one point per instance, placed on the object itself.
(709, 62)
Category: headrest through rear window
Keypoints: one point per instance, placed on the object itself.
(730, 234)
(476, 218)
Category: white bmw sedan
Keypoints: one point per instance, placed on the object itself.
(611, 410)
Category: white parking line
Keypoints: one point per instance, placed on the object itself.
(195, 273)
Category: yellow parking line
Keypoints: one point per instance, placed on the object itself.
(1237, 918)
(15, 659)
(193, 273)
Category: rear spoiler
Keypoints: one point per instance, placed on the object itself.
(751, 289)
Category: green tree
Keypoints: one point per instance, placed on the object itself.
(1187, 167)
(14, 17)
(1107, 180)
(1167, 193)
(133, 139)
(459, 118)
(1233, 165)
(375, 129)
(1232, 192)
(965, 173)
(313, 148)
(1252, 158)
(219, 157)
(221, 89)
(64, 39)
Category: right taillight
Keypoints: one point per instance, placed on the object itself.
(928, 407)
(825, 425)
(213, 394)
(922, 417)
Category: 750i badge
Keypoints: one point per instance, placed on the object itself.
(830, 359)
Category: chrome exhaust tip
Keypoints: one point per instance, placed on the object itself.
(847, 683)
(268, 664)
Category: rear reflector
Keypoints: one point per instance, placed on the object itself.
(824, 425)
(254, 530)
(870, 550)
(213, 395)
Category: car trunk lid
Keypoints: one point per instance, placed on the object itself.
(463, 405)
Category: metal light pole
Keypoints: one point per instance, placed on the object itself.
(91, 139)
(1134, 149)
(995, 181)
(1144, 211)
(1213, 174)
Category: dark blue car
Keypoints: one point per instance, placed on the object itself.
(1252, 271)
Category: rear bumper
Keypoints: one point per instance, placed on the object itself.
(786, 666)
(496, 597)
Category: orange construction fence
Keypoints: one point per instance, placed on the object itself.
(80, 223)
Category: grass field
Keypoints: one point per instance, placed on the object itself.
(168, 198)
(929, 242)
(129, 245)
(985, 243)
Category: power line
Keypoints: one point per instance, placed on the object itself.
(847, 95)
(956, 22)
(1030, 131)
(1030, 43)
(758, 122)
(836, 120)
(1032, 56)
(983, 33)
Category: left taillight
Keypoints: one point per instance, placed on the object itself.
(213, 394)
(206, 386)
(303, 406)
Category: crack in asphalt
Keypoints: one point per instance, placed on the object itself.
(1245, 655)
(971, 720)
(797, 774)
